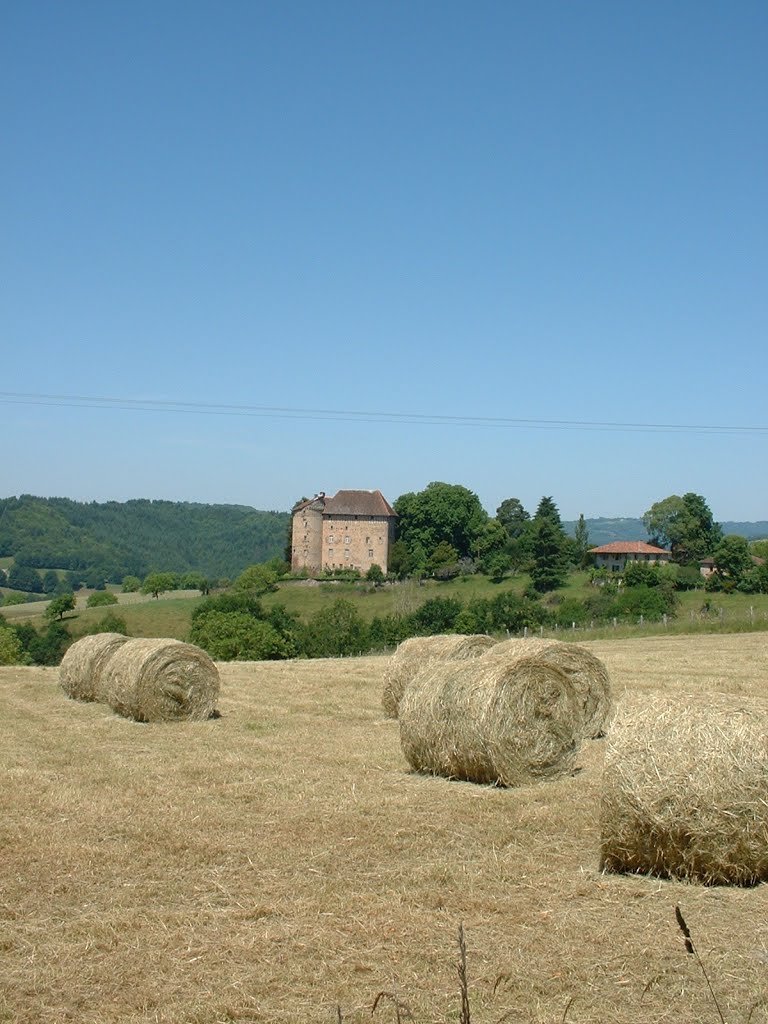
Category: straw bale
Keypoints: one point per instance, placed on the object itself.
(587, 674)
(83, 665)
(491, 722)
(161, 680)
(685, 789)
(411, 655)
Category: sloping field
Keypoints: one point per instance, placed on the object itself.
(282, 864)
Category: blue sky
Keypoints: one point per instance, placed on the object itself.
(305, 246)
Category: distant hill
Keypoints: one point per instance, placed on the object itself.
(137, 537)
(603, 531)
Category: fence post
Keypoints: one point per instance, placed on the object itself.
(525, 631)
(614, 622)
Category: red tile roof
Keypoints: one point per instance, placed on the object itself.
(628, 547)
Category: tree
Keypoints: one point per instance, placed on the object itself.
(442, 512)
(375, 574)
(492, 552)
(732, 557)
(24, 577)
(156, 583)
(444, 555)
(59, 605)
(131, 584)
(684, 525)
(549, 548)
(256, 579)
(581, 554)
(99, 598)
(513, 517)
(195, 581)
(50, 581)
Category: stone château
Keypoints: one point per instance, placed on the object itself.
(351, 530)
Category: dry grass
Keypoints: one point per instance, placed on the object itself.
(282, 862)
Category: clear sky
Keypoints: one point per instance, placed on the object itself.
(255, 250)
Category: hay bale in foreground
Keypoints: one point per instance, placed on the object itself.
(159, 680)
(83, 665)
(685, 789)
(587, 674)
(491, 722)
(412, 654)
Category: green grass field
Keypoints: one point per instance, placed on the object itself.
(698, 611)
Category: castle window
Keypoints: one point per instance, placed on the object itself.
(330, 552)
(370, 552)
(346, 540)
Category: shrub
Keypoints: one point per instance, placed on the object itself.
(11, 648)
(99, 598)
(109, 623)
(436, 616)
(227, 636)
(336, 631)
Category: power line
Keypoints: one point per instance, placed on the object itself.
(358, 416)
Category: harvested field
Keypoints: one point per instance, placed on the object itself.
(282, 862)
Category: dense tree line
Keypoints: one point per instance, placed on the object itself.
(115, 539)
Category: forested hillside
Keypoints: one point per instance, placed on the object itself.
(136, 537)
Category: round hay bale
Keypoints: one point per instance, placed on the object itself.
(83, 665)
(587, 674)
(159, 680)
(685, 789)
(411, 655)
(490, 722)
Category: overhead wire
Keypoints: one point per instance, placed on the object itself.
(359, 416)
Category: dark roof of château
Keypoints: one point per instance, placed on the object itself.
(358, 503)
(349, 503)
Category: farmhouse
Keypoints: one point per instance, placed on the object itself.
(351, 530)
(614, 556)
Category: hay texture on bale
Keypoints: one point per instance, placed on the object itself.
(160, 680)
(412, 654)
(685, 789)
(587, 674)
(491, 721)
(83, 665)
